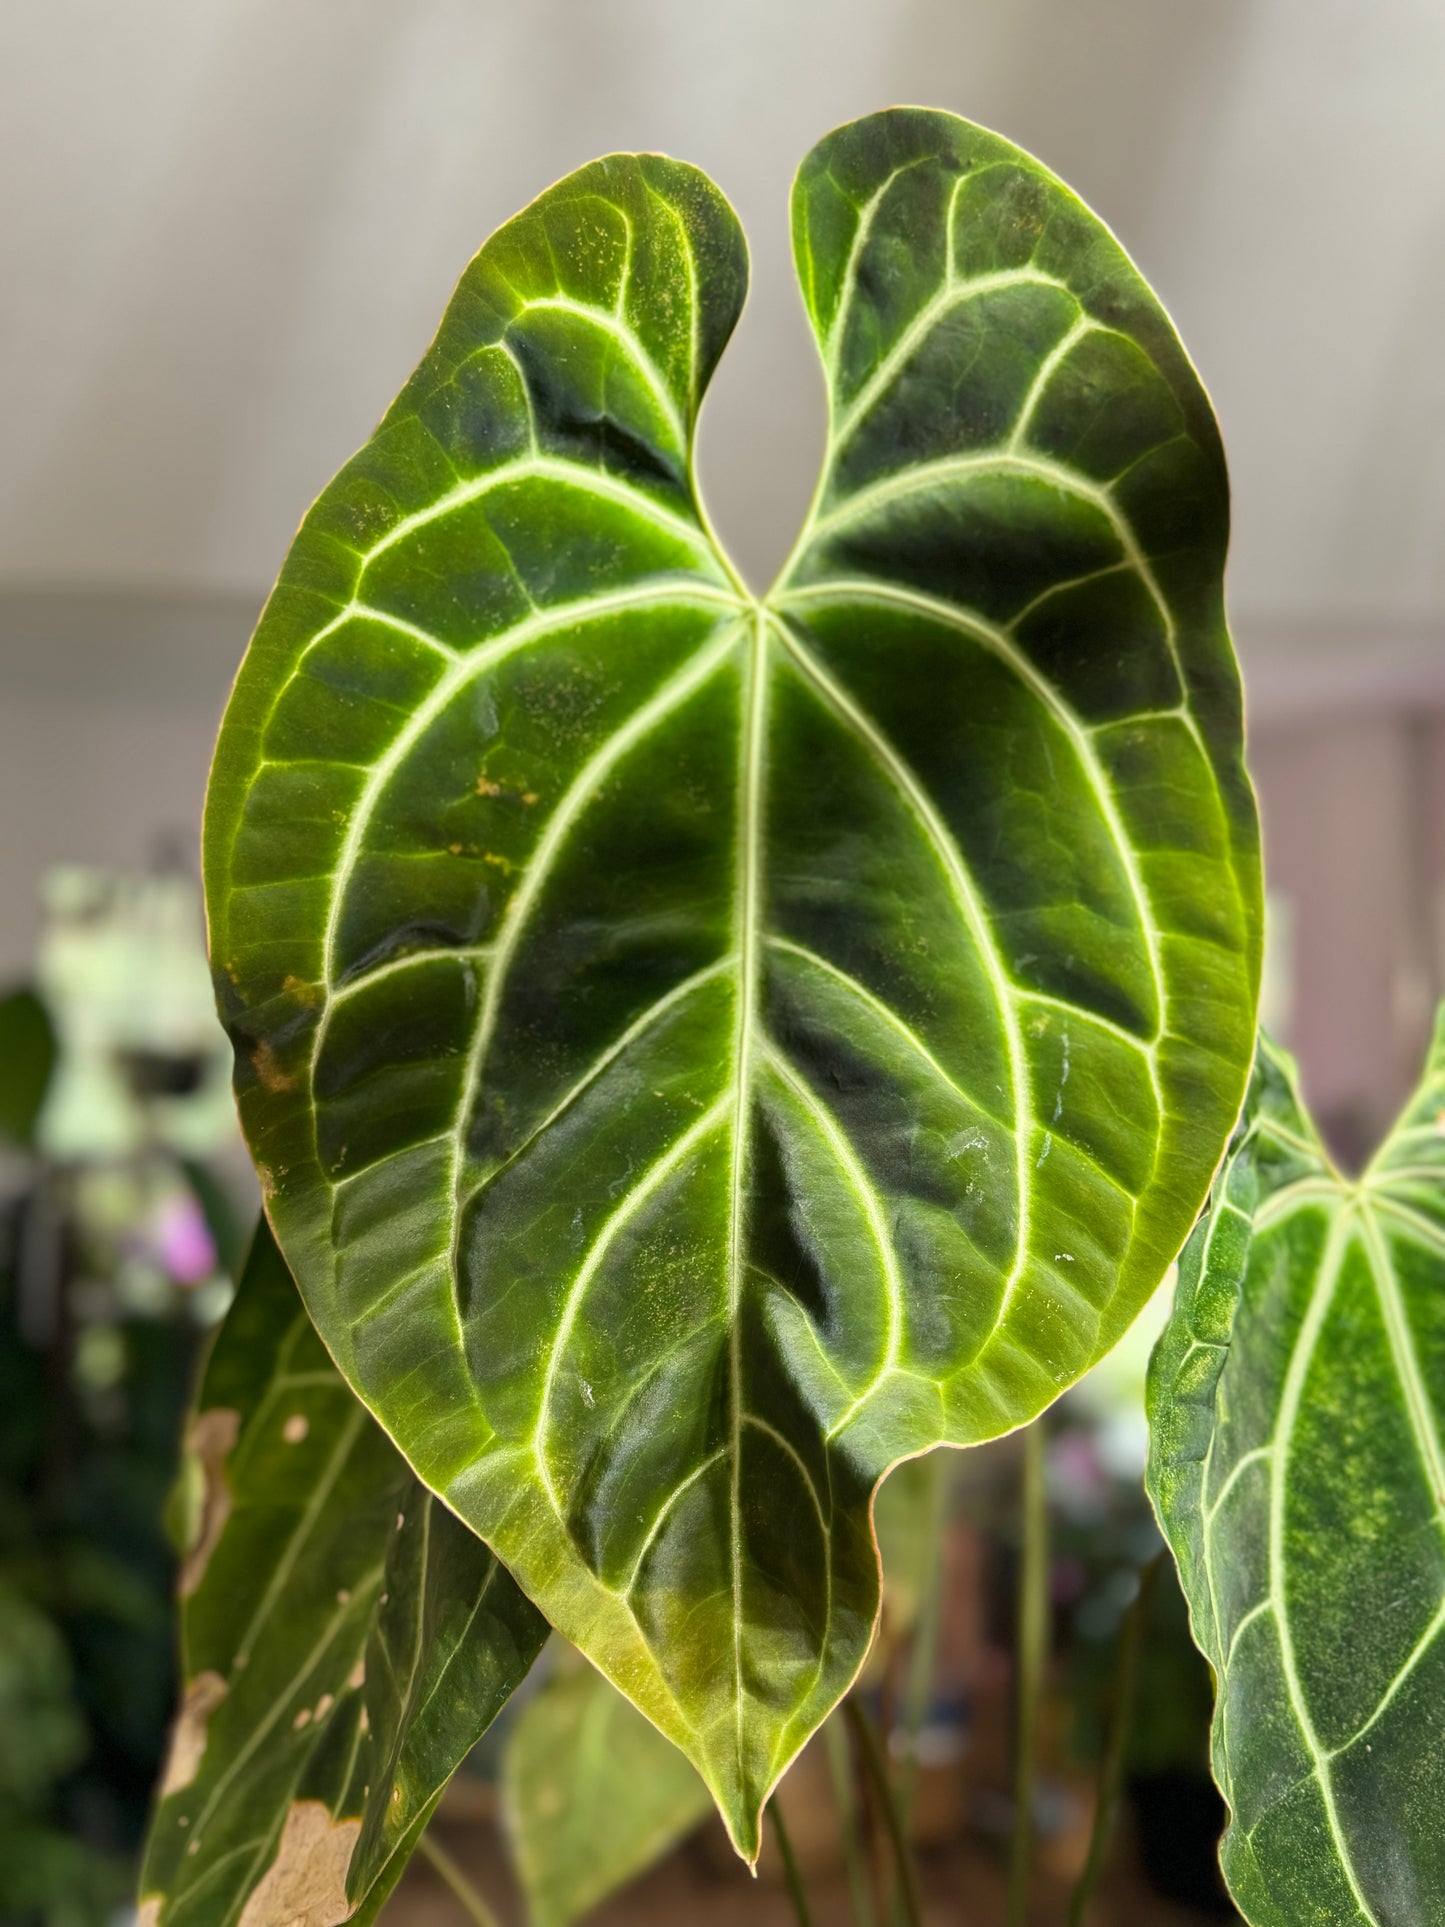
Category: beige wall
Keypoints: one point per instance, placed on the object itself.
(1347, 808)
(230, 226)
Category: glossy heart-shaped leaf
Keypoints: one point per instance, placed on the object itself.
(702, 1050)
(1297, 1464)
(345, 1640)
(594, 1795)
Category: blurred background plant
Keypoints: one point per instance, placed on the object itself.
(118, 1233)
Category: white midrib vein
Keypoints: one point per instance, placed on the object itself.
(1404, 1357)
(1355, 1208)
(871, 1205)
(315, 1505)
(673, 693)
(485, 657)
(1291, 1395)
(637, 1195)
(351, 1608)
(1003, 645)
(951, 295)
(975, 921)
(923, 475)
(752, 776)
(615, 326)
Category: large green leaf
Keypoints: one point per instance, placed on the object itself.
(1297, 1409)
(345, 1640)
(702, 1050)
(594, 1795)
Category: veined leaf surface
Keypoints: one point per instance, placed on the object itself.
(345, 1641)
(1297, 1463)
(702, 1050)
(594, 1795)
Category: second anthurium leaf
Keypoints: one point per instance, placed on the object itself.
(699, 1049)
(594, 1795)
(345, 1640)
(1297, 1463)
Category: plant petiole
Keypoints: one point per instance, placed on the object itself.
(876, 1767)
(443, 1864)
(1111, 1768)
(1033, 1635)
(790, 1864)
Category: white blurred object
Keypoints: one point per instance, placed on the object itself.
(1277, 978)
(142, 1060)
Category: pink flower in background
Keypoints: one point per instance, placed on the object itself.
(187, 1249)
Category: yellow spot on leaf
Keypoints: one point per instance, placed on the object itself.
(295, 1428)
(263, 1061)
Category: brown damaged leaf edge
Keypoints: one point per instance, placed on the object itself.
(305, 1885)
(188, 1735)
(211, 1440)
(344, 1634)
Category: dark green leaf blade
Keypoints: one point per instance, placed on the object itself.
(694, 1069)
(1297, 1413)
(1009, 596)
(27, 1057)
(345, 1640)
(594, 1795)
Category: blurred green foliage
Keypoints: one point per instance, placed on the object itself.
(87, 1640)
(27, 1057)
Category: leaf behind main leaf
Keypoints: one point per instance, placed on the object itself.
(594, 1795)
(345, 1641)
(1297, 1464)
(700, 1050)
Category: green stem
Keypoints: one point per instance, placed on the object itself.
(1116, 1748)
(790, 1865)
(452, 1874)
(1033, 1636)
(877, 1770)
(923, 1657)
(840, 1766)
